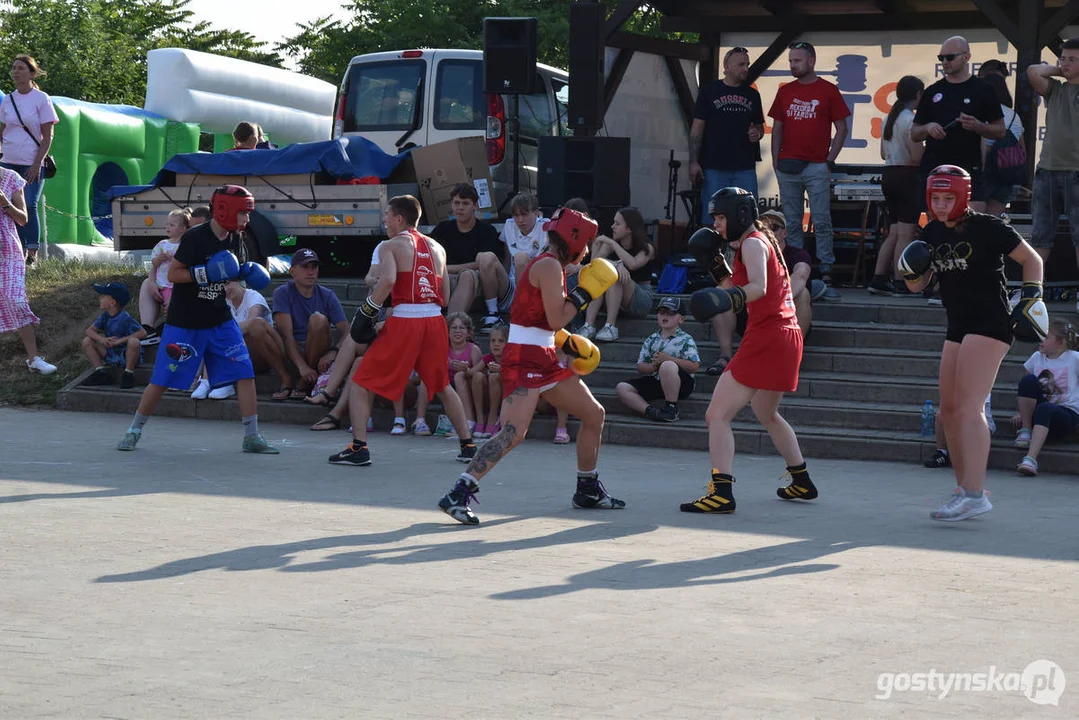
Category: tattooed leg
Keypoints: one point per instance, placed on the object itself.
(516, 416)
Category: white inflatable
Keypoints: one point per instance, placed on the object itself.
(218, 92)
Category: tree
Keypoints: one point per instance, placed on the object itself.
(95, 50)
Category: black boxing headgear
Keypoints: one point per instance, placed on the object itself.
(575, 229)
(227, 202)
(738, 206)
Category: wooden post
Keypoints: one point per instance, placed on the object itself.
(1029, 52)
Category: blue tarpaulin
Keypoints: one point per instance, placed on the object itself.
(345, 159)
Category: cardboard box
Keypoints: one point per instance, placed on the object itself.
(441, 166)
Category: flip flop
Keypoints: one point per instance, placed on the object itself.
(320, 398)
(282, 394)
(328, 422)
(297, 394)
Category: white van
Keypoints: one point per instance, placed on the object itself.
(378, 100)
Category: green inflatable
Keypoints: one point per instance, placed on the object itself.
(97, 147)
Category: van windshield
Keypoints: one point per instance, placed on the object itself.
(382, 96)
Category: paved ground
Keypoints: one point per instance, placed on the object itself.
(188, 580)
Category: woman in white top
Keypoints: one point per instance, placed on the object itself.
(1000, 194)
(901, 156)
(26, 143)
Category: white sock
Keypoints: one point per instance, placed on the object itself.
(399, 421)
(492, 306)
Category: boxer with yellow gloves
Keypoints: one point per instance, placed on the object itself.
(531, 367)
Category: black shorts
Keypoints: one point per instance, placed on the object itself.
(650, 389)
(900, 186)
(997, 331)
(977, 187)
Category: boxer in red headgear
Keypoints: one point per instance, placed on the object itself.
(531, 367)
(200, 328)
(965, 251)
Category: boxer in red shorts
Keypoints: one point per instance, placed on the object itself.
(414, 336)
(766, 364)
(531, 367)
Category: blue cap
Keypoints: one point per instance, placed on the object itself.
(116, 290)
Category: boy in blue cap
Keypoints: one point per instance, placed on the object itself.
(113, 339)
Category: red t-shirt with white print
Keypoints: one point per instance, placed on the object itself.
(807, 112)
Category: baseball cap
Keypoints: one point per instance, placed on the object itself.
(774, 215)
(116, 290)
(305, 256)
(670, 303)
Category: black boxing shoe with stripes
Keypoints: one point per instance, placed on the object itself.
(717, 499)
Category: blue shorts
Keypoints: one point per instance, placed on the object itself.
(183, 351)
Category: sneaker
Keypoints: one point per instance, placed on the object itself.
(934, 302)
(878, 286)
(38, 364)
(817, 288)
(100, 376)
(223, 393)
(713, 501)
(587, 330)
(352, 455)
(669, 413)
(1022, 439)
(420, 427)
(128, 380)
(1028, 466)
(153, 337)
(399, 427)
(467, 453)
(259, 445)
(940, 459)
(489, 323)
(561, 436)
(494, 429)
(899, 289)
(960, 507)
(831, 295)
(457, 503)
(480, 432)
(444, 428)
(608, 333)
(131, 439)
(591, 495)
(202, 390)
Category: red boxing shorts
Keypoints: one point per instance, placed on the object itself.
(768, 359)
(405, 344)
(531, 366)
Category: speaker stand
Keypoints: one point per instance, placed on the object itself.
(516, 153)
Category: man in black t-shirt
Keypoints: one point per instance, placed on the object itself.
(476, 259)
(200, 328)
(724, 139)
(955, 113)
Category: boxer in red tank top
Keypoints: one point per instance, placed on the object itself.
(414, 336)
(766, 364)
(531, 367)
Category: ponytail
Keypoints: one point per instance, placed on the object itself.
(763, 229)
(906, 90)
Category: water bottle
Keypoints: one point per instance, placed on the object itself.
(929, 420)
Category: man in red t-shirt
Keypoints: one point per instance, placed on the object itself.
(804, 113)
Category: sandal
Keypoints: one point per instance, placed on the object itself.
(718, 366)
(298, 394)
(328, 422)
(320, 398)
(283, 394)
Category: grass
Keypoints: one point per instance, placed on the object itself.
(61, 294)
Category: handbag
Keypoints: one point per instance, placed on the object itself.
(1006, 161)
(48, 165)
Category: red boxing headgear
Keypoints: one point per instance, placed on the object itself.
(227, 202)
(576, 229)
(953, 179)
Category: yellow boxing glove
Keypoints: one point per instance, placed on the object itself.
(583, 351)
(594, 279)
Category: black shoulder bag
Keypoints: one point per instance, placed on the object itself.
(48, 164)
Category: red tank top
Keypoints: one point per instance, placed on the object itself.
(421, 284)
(527, 309)
(776, 308)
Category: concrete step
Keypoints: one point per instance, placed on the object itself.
(816, 441)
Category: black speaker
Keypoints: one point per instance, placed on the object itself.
(585, 66)
(509, 55)
(593, 168)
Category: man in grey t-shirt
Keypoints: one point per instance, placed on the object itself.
(1056, 181)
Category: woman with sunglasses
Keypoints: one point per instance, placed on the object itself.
(965, 250)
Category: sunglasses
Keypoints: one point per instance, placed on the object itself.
(774, 227)
(949, 57)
